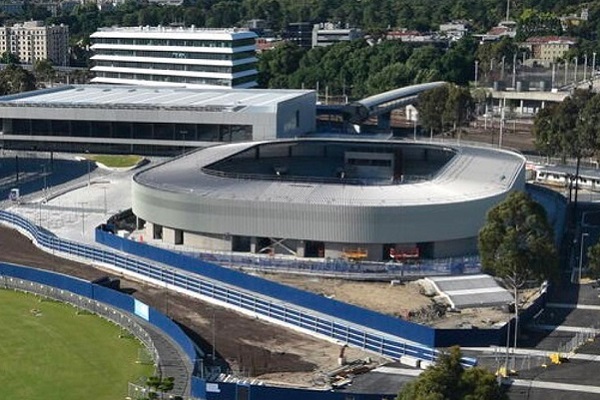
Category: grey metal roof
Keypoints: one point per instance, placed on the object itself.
(107, 96)
(474, 173)
(471, 291)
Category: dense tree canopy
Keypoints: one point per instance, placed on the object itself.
(372, 15)
(449, 380)
(516, 243)
(445, 108)
(593, 255)
(570, 128)
(14, 79)
(359, 69)
(536, 23)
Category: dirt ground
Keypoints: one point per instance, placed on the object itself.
(250, 347)
(406, 301)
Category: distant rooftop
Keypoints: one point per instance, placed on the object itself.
(137, 97)
(161, 30)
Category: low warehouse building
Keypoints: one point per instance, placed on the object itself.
(150, 120)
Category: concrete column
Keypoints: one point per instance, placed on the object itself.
(521, 106)
(253, 244)
(300, 248)
(168, 235)
(149, 230)
(384, 120)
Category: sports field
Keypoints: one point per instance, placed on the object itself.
(49, 352)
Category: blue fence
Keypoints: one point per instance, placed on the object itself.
(366, 329)
(233, 391)
(107, 296)
(345, 268)
(347, 323)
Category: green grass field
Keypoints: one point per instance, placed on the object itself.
(60, 355)
(115, 161)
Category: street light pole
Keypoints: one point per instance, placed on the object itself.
(583, 236)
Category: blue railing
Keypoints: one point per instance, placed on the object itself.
(366, 329)
(56, 244)
(107, 296)
(382, 334)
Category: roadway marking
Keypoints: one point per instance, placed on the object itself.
(459, 278)
(532, 352)
(475, 291)
(399, 371)
(513, 382)
(563, 328)
(555, 386)
(571, 306)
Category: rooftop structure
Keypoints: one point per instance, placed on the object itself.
(182, 57)
(327, 34)
(549, 48)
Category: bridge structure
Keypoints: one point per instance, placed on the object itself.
(380, 105)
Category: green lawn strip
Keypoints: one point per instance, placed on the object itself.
(115, 161)
(60, 355)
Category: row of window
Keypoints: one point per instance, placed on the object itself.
(170, 54)
(177, 67)
(176, 42)
(177, 79)
(127, 130)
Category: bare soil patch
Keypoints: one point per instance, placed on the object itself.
(406, 301)
(249, 346)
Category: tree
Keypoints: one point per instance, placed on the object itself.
(44, 71)
(593, 255)
(517, 244)
(431, 105)
(445, 107)
(459, 106)
(449, 380)
(535, 23)
(9, 58)
(14, 79)
(570, 129)
(157, 384)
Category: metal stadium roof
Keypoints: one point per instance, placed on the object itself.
(108, 96)
(474, 173)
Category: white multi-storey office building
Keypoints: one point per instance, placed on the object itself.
(190, 57)
(32, 41)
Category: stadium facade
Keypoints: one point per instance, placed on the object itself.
(150, 120)
(357, 199)
(183, 57)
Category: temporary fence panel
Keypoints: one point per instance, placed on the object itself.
(336, 309)
(237, 391)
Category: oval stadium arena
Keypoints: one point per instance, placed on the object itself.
(327, 198)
